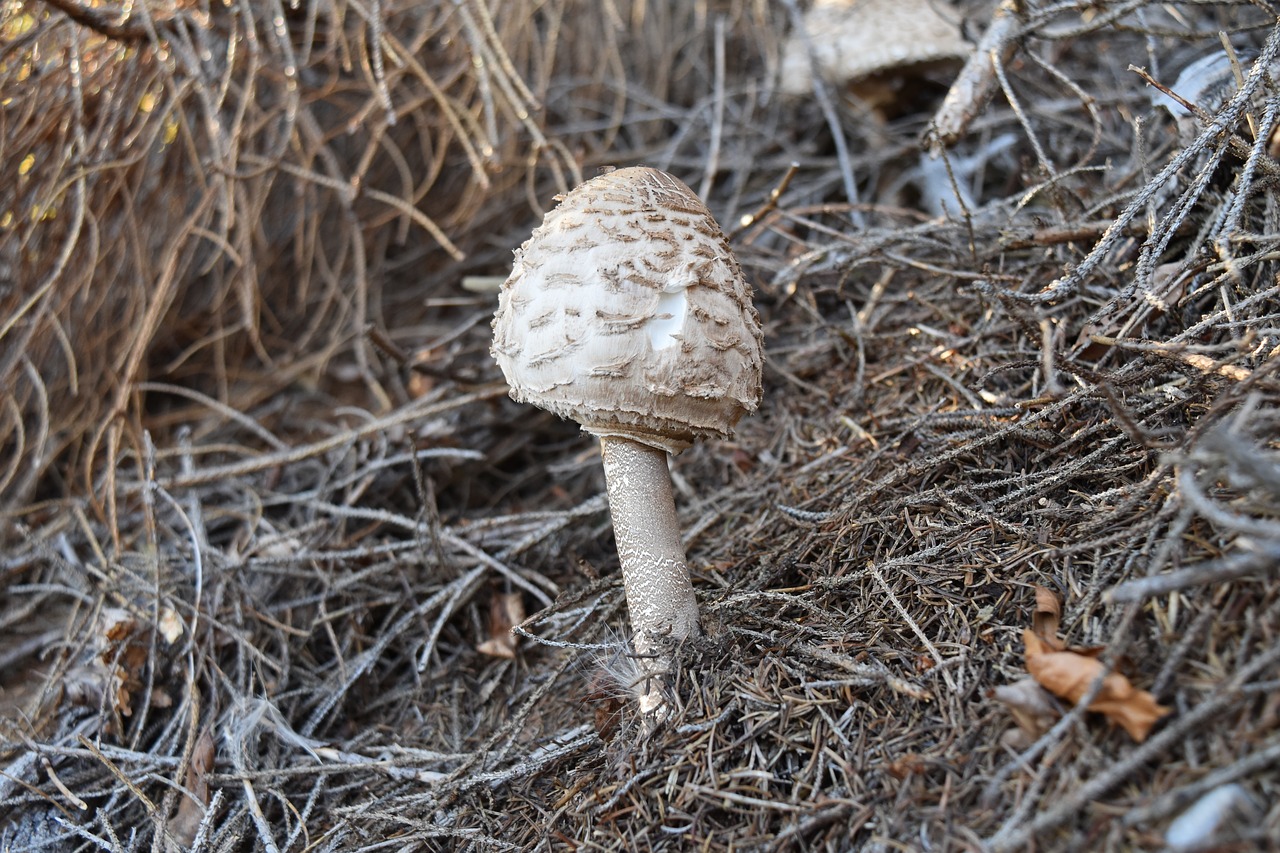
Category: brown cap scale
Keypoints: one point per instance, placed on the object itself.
(627, 312)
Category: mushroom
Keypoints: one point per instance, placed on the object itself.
(627, 312)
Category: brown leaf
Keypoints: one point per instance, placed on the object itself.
(116, 624)
(186, 823)
(1032, 707)
(506, 610)
(606, 704)
(420, 385)
(1047, 616)
(122, 657)
(1016, 739)
(1069, 675)
(201, 764)
(908, 765)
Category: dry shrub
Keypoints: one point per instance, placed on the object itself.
(209, 200)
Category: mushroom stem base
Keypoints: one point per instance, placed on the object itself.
(659, 595)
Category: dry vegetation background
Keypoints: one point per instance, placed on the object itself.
(264, 497)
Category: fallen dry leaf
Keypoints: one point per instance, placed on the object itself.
(607, 703)
(1069, 675)
(186, 823)
(506, 610)
(170, 625)
(122, 655)
(907, 765)
(1032, 706)
(1047, 616)
(112, 673)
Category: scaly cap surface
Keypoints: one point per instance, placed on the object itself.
(627, 312)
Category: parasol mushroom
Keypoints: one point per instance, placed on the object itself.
(627, 312)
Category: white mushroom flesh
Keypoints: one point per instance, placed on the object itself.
(667, 320)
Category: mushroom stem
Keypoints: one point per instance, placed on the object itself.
(659, 594)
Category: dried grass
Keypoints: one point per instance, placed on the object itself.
(1071, 384)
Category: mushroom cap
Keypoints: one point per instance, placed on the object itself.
(852, 39)
(627, 312)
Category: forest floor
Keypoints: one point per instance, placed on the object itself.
(993, 566)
